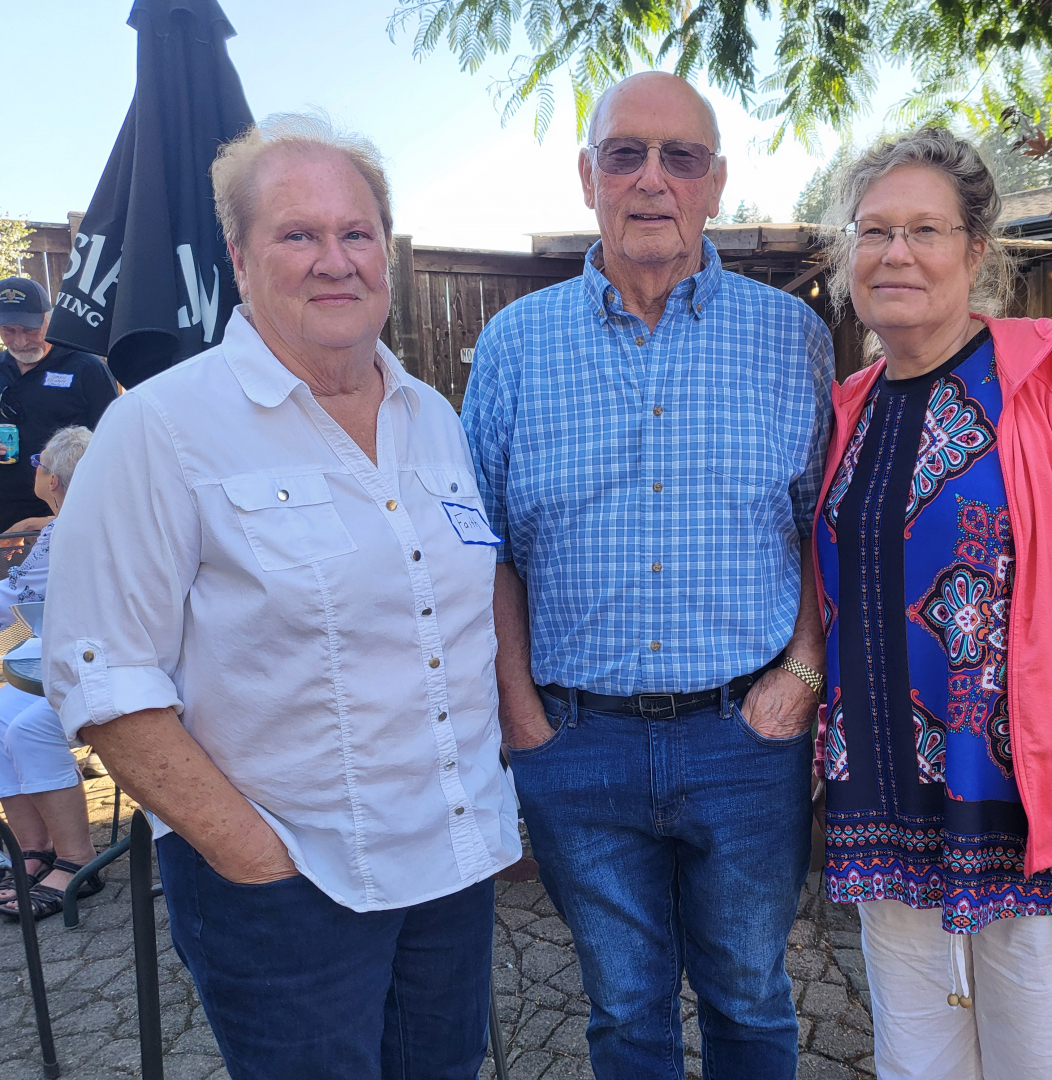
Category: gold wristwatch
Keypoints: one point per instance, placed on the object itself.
(806, 674)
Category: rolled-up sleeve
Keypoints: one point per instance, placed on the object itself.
(804, 490)
(125, 550)
(483, 418)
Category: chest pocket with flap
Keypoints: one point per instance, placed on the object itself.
(289, 520)
(448, 483)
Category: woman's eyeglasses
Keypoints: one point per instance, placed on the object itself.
(872, 233)
(621, 157)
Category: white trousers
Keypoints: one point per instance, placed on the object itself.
(1005, 1035)
(34, 753)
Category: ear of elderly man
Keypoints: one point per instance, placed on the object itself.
(311, 589)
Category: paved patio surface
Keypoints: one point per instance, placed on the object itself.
(90, 979)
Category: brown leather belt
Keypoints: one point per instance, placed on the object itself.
(662, 706)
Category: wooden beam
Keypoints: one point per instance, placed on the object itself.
(806, 276)
(506, 263)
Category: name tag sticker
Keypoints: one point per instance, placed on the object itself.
(470, 525)
(58, 378)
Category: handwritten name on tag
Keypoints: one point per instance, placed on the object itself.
(470, 525)
(58, 378)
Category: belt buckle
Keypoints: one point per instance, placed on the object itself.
(657, 706)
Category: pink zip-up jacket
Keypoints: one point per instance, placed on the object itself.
(1023, 354)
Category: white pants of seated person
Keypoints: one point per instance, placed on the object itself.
(1006, 1035)
(34, 753)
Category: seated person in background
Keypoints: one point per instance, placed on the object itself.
(40, 788)
(43, 388)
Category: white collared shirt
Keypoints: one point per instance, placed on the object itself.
(317, 621)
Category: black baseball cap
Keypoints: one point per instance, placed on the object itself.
(23, 302)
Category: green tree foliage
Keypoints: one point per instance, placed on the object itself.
(820, 192)
(1003, 120)
(827, 55)
(14, 245)
(749, 215)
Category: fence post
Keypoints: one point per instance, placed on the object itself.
(405, 307)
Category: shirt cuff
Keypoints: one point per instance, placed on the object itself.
(113, 692)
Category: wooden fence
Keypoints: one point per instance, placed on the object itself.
(442, 297)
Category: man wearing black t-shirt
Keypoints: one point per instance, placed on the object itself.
(43, 387)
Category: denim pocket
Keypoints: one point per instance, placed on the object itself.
(764, 740)
(205, 867)
(556, 718)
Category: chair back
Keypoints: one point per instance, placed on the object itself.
(31, 616)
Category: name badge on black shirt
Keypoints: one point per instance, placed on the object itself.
(58, 378)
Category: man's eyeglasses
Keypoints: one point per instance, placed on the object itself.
(621, 157)
(872, 233)
(34, 460)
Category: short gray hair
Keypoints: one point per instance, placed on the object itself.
(977, 199)
(64, 449)
(236, 167)
(597, 113)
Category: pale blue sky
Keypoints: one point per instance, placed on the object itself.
(459, 179)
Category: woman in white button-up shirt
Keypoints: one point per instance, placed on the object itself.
(270, 612)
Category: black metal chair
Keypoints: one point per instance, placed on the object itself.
(70, 911)
(144, 931)
(32, 947)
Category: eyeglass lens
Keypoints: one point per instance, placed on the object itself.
(686, 160)
(872, 232)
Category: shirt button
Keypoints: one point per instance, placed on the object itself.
(697, 307)
(656, 567)
(610, 296)
(88, 656)
(434, 662)
(283, 495)
(450, 764)
(655, 646)
(416, 556)
(454, 487)
(658, 486)
(426, 611)
(459, 810)
(391, 504)
(641, 340)
(442, 715)
(658, 410)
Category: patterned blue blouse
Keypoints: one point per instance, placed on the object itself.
(916, 555)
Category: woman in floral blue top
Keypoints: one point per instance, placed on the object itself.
(925, 828)
(40, 786)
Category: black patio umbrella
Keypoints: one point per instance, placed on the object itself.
(148, 282)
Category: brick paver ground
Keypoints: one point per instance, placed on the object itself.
(90, 978)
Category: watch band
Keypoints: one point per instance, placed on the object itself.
(806, 674)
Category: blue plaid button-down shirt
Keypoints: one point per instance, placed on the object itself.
(653, 489)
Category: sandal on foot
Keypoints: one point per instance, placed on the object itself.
(47, 901)
(7, 878)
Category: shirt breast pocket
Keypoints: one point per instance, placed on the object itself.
(448, 483)
(745, 438)
(288, 520)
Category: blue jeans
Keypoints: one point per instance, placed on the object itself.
(295, 985)
(671, 845)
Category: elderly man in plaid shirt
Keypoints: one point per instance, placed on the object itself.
(649, 440)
